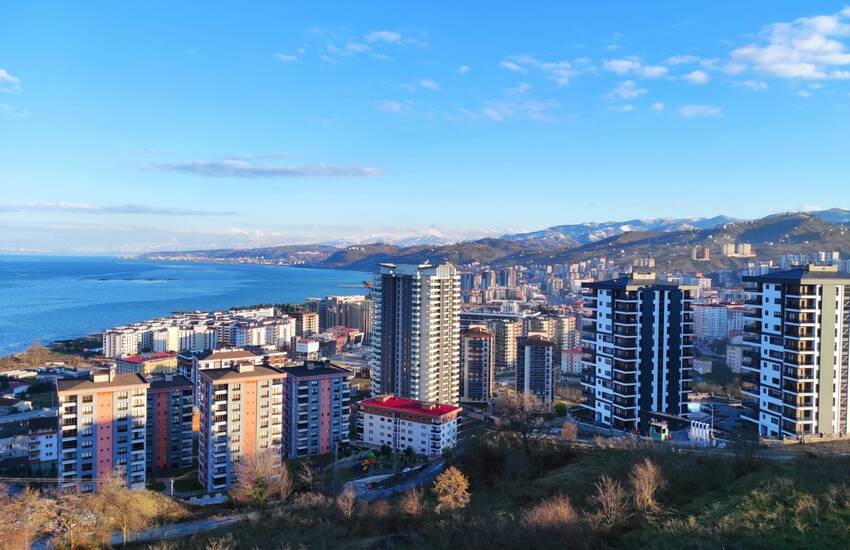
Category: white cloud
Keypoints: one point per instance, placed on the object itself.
(699, 111)
(286, 57)
(628, 89)
(357, 47)
(627, 108)
(383, 36)
(520, 88)
(499, 111)
(804, 93)
(463, 69)
(511, 66)
(9, 82)
(429, 84)
(808, 48)
(697, 77)
(684, 59)
(633, 66)
(658, 106)
(391, 106)
(559, 71)
(755, 85)
(87, 208)
(234, 168)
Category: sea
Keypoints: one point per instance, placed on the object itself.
(48, 298)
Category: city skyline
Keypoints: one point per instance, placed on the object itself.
(136, 129)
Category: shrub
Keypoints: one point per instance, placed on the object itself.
(611, 499)
(411, 502)
(551, 514)
(345, 502)
(646, 481)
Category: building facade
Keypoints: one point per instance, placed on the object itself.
(169, 422)
(425, 428)
(103, 420)
(317, 408)
(416, 332)
(241, 413)
(535, 371)
(505, 334)
(638, 336)
(147, 363)
(477, 365)
(797, 372)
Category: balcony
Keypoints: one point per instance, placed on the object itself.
(803, 291)
(798, 332)
(800, 304)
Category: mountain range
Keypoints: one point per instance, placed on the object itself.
(668, 240)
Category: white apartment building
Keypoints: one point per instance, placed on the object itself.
(797, 373)
(426, 428)
(416, 332)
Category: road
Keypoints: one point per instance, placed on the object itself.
(424, 476)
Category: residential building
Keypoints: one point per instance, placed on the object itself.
(638, 337)
(103, 420)
(148, 363)
(535, 371)
(317, 401)
(306, 323)
(346, 311)
(170, 405)
(416, 332)
(797, 374)
(505, 334)
(241, 413)
(425, 428)
(477, 365)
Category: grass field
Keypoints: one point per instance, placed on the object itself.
(707, 503)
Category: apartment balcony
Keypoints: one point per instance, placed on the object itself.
(799, 401)
(799, 332)
(754, 301)
(621, 306)
(803, 291)
(799, 374)
(626, 319)
(801, 304)
(800, 319)
(620, 330)
(624, 366)
(751, 338)
(624, 378)
(797, 388)
(798, 415)
(625, 391)
(799, 359)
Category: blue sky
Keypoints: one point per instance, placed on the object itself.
(158, 125)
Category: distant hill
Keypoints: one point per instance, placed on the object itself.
(668, 241)
(584, 233)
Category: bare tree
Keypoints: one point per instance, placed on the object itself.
(260, 479)
(30, 510)
(646, 480)
(451, 489)
(611, 499)
(569, 431)
(411, 502)
(306, 477)
(126, 510)
(524, 414)
(346, 500)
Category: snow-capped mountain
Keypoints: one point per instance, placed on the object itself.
(589, 232)
(429, 236)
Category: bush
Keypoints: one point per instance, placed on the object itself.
(552, 514)
(646, 481)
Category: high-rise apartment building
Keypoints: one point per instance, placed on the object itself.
(102, 420)
(416, 332)
(306, 323)
(477, 365)
(317, 406)
(170, 403)
(797, 375)
(535, 371)
(638, 337)
(346, 311)
(505, 334)
(241, 413)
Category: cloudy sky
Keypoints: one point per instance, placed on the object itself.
(138, 126)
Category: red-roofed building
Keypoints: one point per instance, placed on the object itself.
(147, 363)
(426, 428)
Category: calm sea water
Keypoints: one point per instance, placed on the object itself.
(49, 298)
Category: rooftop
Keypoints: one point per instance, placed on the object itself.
(148, 357)
(235, 374)
(808, 274)
(400, 404)
(224, 354)
(87, 384)
(160, 382)
(316, 368)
